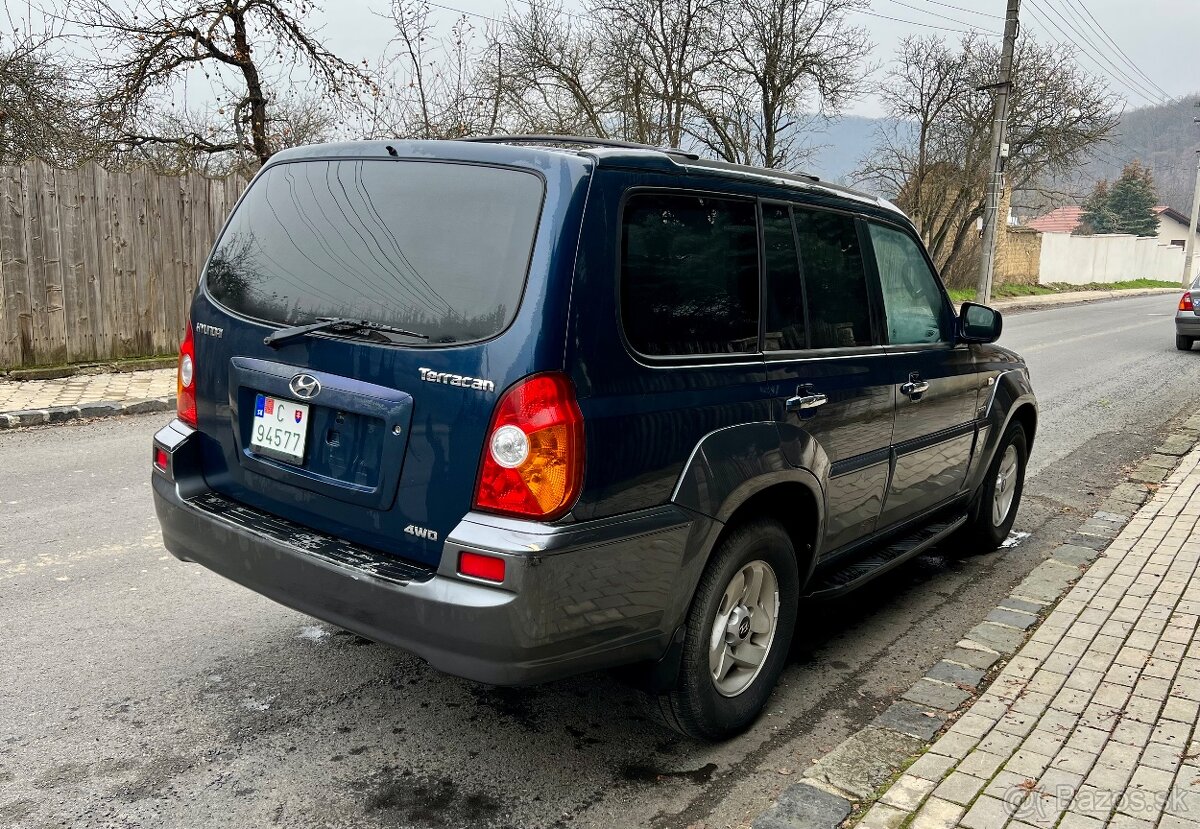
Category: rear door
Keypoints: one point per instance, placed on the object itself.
(825, 362)
(382, 439)
(935, 379)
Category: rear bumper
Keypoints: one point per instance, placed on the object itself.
(1187, 325)
(575, 598)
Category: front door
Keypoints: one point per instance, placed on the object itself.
(935, 379)
(826, 366)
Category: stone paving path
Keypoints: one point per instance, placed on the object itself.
(73, 391)
(1093, 722)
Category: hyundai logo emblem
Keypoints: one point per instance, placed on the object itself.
(305, 386)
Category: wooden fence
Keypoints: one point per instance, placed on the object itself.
(97, 265)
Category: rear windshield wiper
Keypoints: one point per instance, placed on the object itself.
(366, 329)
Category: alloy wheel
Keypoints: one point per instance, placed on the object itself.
(744, 628)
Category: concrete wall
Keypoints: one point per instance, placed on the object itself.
(1079, 260)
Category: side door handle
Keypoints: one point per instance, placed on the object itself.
(806, 399)
(915, 387)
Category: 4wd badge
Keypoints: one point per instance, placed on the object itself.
(421, 532)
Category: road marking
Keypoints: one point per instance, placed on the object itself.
(1105, 333)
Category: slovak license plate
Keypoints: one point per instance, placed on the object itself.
(279, 429)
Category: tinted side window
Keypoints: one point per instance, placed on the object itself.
(916, 310)
(785, 293)
(689, 274)
(835, 282)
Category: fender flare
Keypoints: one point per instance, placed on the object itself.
(727, 468)
(1011, 393)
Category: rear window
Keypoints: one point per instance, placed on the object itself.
(441, 249)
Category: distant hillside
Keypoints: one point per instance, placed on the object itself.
(840, 145)
(1165, 139)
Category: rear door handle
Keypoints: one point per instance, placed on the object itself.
(915, 387)
(806, 402)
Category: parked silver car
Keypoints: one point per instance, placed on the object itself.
(1187, 317)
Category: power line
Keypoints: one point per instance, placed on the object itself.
(1093, 53)
(1046, 25)
(938, 15)
(961, 9)
(1095, 26)
(1101, 50)
(926, 25)
(462, 11)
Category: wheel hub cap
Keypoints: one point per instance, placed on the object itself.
(739, 625)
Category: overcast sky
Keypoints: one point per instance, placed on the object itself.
(1158, 36)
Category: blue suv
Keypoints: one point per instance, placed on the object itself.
(532, 406)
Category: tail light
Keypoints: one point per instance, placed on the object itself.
(185, 387)
(1185, 302)
(533, 459)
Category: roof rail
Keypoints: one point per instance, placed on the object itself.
(588, 141)
(797, 176)
(576, 139)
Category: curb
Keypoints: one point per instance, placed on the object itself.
(848, 779)
(20, 375)
(84, 411)
(1028, 303)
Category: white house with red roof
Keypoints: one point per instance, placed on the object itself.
(1172, 225)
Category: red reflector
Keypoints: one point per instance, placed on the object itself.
(481, 566)
(161, 459)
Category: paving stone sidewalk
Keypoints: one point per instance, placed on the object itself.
(1093, 722)
(32, 402)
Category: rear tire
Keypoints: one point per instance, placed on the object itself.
(1183, 343)
(737, 635)
(995, 506)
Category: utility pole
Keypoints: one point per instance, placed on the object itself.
(1190, 249)
(991, 207)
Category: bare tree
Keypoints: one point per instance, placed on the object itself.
(434, 86)
(933, 156)
(296, 119)
(629, 69)
(551, 75)
(740, 78)
(143, 51)
(664, 47)
(777, 60)
(42, 104)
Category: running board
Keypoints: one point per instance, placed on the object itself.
(860, 571)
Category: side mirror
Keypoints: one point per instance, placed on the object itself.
(979, 323)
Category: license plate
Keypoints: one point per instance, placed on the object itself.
(279, 429)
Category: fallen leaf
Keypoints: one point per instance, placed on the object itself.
(785, 771)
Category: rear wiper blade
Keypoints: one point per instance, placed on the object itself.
(339, 325)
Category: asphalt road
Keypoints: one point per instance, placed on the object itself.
(140, 691)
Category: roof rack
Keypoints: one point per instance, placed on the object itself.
(576, 139)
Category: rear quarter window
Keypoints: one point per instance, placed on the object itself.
(689, 274)
(442, 249)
